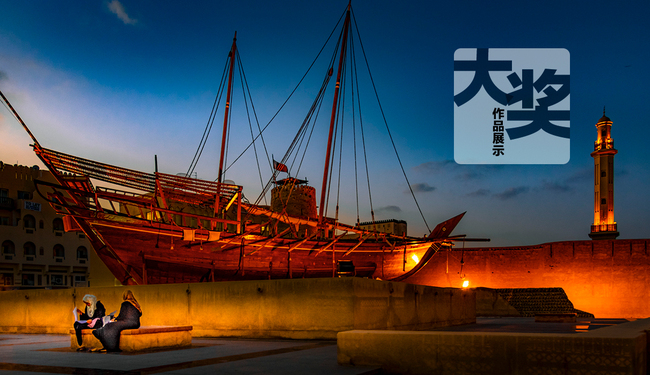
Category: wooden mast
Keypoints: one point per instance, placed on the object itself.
(233, 51)
(344, 43)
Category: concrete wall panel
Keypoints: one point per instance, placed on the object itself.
(298, 308)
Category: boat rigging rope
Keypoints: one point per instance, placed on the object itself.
(310, 119)
(298, 139)
(287, 100)
(246, 89)
(340, 110)
(363, 137)
(211, 118)
(387, 128)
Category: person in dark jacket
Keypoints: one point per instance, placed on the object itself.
(92, 315)
(128, 318)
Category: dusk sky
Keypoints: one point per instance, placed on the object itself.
(122, 81)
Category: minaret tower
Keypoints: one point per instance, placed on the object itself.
(604, 227)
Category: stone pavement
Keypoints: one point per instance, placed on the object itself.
(51, 354)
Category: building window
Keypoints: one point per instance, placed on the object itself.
(80, 281)
(41, 224)
(30, 249)
(24, 195)
(82, 252)
(8, 248)
(59, 251)
(603, 174)
(57, 224)
(57, 280)
(4, 220)
(41, 251)
(8, 279)
(29, 222)
(28, 279)
(5, 201)
(603, 201)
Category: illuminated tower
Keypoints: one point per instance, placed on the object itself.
(604, 227)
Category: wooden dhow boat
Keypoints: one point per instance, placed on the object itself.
(157, 228)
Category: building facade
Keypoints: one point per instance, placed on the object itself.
(391, 226)
(35, 250)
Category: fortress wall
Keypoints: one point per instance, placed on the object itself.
(297, 308)
(606, 278)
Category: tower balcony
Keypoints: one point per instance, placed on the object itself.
(604, 232)
(607, 144)
(603, 228)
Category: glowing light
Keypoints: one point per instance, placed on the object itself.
(465, 283)
(415, 259)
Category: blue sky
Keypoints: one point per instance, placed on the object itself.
(123, 81)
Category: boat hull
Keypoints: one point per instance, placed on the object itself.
(137, 255)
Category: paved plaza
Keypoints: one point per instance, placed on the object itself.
(51, 354)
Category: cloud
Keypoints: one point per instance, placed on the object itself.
(512, 192)
(479, 193)
(389, 209)
(422, 188)
(461, 172)
(433, 166)
(118, 9)
(582, 175)
(469, 175)
(620, 172)
(556, 187)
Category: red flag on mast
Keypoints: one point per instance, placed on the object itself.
(280, 167)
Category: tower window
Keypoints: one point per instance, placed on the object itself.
(603, 201)
(603, 174)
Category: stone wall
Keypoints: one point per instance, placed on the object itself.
(610, 279)
(298, 308)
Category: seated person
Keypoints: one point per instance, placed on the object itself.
(92, 315)
(128, 318)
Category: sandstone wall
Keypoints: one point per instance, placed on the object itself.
(610, 279)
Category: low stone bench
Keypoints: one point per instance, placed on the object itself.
(132, 340)
(556, 318)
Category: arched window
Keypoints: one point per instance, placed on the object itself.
(8, 248)
(59, 251)
(29, 248)
(29, 222)
(57, 224)
(82, 252)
